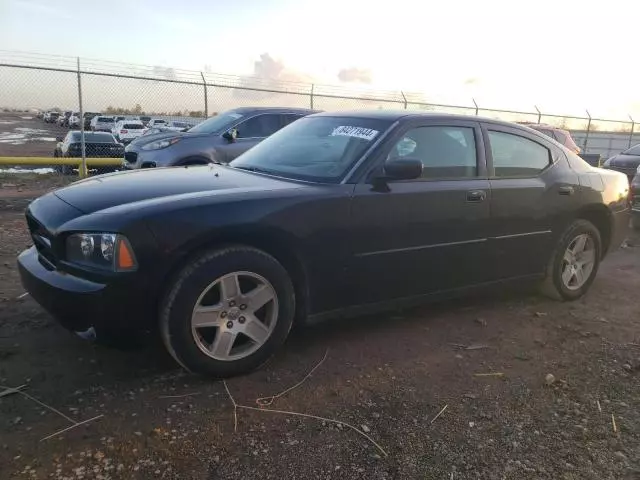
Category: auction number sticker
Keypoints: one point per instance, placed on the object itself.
(357, 132)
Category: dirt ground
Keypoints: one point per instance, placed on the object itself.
(505, 386)
(24, 135)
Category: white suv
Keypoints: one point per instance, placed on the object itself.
(157, 122)
(126, 131)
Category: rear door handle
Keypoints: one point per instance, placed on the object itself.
(566, 190)
(476, 196)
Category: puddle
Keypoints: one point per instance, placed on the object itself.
(23, 136)
(30, 130)
(41, 171)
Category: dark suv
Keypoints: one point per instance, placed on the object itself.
(218, 139)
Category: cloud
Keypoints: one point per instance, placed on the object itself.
(355, 75)
(472, 81)
(36, 8)
(271, 73)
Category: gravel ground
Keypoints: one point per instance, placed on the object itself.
(533, 389)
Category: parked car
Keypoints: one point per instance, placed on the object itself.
(179, 126)
(336, 214)
(145, 120)
(626, 162)
(88, 117)
(561, 136)
(127, 130)
(63, 119)
(97, 144)
(157, 122)
(74, 120)
(51, 117)
(219, 139)
(102, 124)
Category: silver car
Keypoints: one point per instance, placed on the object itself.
(101, 123)
(218, 139)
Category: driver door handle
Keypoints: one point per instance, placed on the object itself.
(476, 196)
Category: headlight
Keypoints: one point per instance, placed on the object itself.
(107, 251)
(157, 145)
(638, 170)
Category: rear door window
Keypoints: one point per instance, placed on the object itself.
(516, 156)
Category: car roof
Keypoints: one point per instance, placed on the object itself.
(247, 110)
(92, 133)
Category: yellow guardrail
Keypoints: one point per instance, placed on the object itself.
(71, 161)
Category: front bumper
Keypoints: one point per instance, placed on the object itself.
(81, 305)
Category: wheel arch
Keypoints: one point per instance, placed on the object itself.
(279, 244)
(601, 217)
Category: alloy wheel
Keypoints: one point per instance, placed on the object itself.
(578, 262)
(234, 316)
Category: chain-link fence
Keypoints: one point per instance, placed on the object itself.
(43, 97)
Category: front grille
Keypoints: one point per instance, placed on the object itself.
(41, 239)
(131, 157)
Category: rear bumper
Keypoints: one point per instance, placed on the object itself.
(79, 304)
(620, 229)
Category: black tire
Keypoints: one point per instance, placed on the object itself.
(193, 279)
(553, 285)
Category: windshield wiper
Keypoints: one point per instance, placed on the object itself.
(254, 169)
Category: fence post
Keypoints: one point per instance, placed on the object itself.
(586, 137)
(404, 99)
(633, 124)
(539, 113)
(82, 172)
(474, 102)
(206, 97)
(311, 95)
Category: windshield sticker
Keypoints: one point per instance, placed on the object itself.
(357, 132)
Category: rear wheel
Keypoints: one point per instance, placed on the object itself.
(227, 311)
(575, 262)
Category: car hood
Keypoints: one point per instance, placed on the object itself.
(144, 139)
(113, 190)
(623, 160)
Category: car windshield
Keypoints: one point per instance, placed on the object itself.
(317, 149)
(635, 150)
(105, 119)
(133, 126)
(218, 124)
(94, 137)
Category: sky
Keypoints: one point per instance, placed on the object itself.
(563, 56)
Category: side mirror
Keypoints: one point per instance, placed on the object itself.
(59, 139)
(230, 135)
(402, 169)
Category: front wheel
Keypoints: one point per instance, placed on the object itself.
(575, 262)
(227, 311)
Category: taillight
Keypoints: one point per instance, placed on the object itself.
(124, 131)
